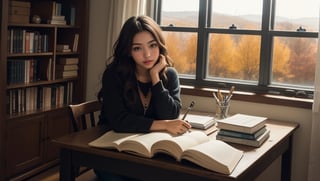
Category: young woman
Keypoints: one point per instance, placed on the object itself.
(140, 88)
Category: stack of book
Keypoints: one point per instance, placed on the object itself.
(57, 20)
(63, 48)
(67, 67)
(243, 129)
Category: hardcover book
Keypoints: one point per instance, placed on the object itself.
(242, 123)
(255, 143)
(68, 61)
(195, 146)
(237, 134)
(66, 74)
(62, 67)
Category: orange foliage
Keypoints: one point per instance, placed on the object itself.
(182, 49)
(238, 57)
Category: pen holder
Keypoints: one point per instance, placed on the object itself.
(222, 111)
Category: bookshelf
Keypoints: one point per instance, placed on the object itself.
(34, 97)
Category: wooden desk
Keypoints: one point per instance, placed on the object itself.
(76, 152)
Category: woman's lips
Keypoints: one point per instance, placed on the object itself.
(147, 62)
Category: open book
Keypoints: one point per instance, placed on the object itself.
(195, 146)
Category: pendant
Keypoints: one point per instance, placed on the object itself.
(145, 100)
(145, 108)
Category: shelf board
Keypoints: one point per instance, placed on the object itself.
(30, 25)
(38, 111)
(29, 54)
(39, 83)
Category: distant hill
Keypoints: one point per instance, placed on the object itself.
(189, 18)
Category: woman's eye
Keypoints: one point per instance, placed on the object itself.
(136, 48)
(154, 45)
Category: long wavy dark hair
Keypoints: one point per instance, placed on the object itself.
(122, 59)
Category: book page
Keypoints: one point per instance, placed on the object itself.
(214, 155)
(176, 145)
(112, 139)
(141, 145)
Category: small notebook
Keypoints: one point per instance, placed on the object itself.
(200, 121)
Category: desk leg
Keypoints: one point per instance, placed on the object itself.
(286, 162)
(67, 173)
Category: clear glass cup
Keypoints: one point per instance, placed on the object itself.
(222, 111)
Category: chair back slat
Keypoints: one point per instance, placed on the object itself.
(84, 113)
(92, 119)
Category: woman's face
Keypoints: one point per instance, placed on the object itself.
(145, 50)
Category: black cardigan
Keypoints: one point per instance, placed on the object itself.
(165, 103)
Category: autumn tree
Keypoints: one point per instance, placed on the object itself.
(182, 49)
(302, 60)
(220, 55)
(280, 66)
(247, 57)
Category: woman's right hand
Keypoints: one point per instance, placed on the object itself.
(175, 127)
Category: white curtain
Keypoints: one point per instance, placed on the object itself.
(119, 12)
(314, 158)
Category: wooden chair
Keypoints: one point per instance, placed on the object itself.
(84, 114)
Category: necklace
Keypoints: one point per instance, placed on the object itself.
(145, 97)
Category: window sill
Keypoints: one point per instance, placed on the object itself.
(252, 97)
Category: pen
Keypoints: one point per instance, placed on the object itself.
(230, 94)
(216, 98)
(231, 91)
(185, 114)
(189, 108)
(219, 95)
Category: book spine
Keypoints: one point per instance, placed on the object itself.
(236, 134)
(254, 143)
(242, 135)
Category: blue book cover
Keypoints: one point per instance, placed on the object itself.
(236, 134)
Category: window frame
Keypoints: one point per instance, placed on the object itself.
(264, 86)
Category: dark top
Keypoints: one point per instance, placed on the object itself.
(165, 103)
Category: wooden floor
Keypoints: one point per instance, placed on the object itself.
(53, 175)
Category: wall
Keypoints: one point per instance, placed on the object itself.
(97, 46)
(97, 57)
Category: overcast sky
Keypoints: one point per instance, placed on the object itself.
(285, 8)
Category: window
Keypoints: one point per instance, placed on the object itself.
(256, 45)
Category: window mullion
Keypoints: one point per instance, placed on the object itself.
(202, 46)
(158, 10)
(265, 70)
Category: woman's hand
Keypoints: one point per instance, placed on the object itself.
(175, 127)
(155, 70)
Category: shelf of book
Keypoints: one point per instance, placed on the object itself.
(29, 57)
